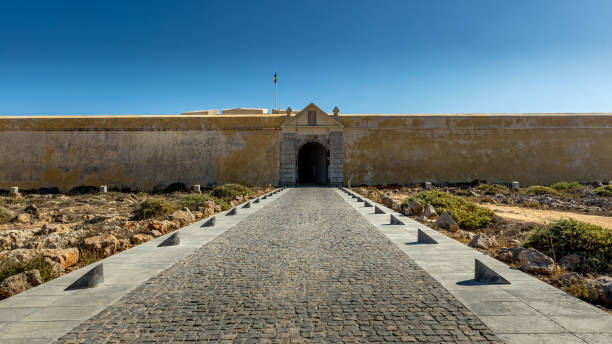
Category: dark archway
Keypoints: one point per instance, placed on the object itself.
(312, 164)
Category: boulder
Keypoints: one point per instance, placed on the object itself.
(532, 260)
(386, 200)
(56, 267)
(600, 290)
(415, 209)
(183, 216)
(21, 255)
(123, 244)
(218, 209)
(20, 282)
(430, 212)
(31, 209)
(105, 244)
(446, 221)
(156, 233)
(509, 254)
(140, 238)
(571, 262)
(570, 278)
(49, 228)
(23, 218)
(482, 241)
(15, 238)
(67, 257)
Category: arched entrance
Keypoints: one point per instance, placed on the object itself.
(312, 164)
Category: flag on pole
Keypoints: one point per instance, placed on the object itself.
(275, 78)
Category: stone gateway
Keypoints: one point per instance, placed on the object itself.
(307, 147)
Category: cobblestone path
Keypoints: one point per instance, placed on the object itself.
(306, 268)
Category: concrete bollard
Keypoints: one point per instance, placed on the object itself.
(103, 189)
(172, 240)
(247, 205)
(234, 211)
(91, 279)
(14, 190)
(377, 210)
(515, 186)
(197, 188)
(485, 274)
(423, 238)
(256, 200)
(394, 220)
(427, 185)
(366, 204)
(210, 223)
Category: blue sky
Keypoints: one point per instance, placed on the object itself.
(167, 57)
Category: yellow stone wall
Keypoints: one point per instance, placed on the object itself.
(142, 152)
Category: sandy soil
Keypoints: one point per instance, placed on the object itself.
(545, 216)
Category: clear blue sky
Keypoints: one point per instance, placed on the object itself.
(166, 57)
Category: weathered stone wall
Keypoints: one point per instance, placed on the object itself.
(138, 152)
(453, 148)
(143, 152)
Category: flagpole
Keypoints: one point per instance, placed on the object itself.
(275, 105)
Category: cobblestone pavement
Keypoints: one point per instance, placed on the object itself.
(306, 268)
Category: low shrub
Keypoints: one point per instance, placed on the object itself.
(567, 186)
(468, 215)
(9, 268)
(194, 200)
(541, 190)
(605, 190)
(493, 189)
(560, 238)
(153, 207)
(5, 215)
(229, 191)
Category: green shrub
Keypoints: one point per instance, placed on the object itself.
(563, 237)
(230, 191)
(11, 200)
(605, 190)
(9, 268)
(5, 215)
(493, 189)
(194, 200)
(540, 190)
(567, 186)
(153, 207)
(468, 215)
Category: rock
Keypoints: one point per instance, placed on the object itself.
(123, 244)
(198, 214)
(156, 233)
(183, 216)
(509, 254)
(482, 241)
(49, 228)
(430, 212)
(15, 238)
(570, 262)
(23, 218)
(532, 260)
(140, 238)
(415, 209)
(31, 209)
(386, 200)
(21, 255)
(155, 225)
(105, 244)
(56, 268)
(67, 257)
(600, 290)
(446, 221)
(570, 278)
(20, 282)
(218, 209)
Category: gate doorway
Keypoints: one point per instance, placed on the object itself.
(312, 164)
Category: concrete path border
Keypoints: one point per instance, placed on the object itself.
(47, 312)
(525, 311)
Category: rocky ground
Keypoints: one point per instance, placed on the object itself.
(503, 237)
(45, 236)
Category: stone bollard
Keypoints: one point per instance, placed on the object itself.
(91, 279)
(515, 186)
(103, 189)
(485, 274)
(427, 185)
(13, 190)
(197, 188)
(172, 240)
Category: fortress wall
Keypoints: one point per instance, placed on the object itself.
(533, 149)
(137, 152)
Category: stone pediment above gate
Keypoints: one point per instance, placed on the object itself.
(311, 117)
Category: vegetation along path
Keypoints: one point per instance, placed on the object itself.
(305, 268)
